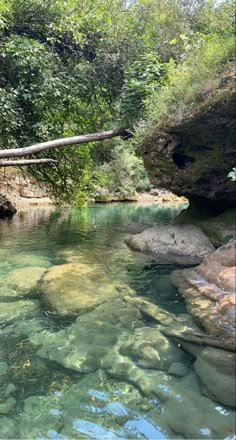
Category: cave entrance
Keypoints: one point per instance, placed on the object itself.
(181, 160)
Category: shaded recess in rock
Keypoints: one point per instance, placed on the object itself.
(174, 150)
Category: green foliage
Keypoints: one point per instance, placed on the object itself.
(124, 172)
(69, 67)
(189, 81)
(142, 79)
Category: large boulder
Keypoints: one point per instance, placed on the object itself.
(209, 292)
(216, 371)
(78, 287)
(183, 244)
(191, 151)
(7, 210)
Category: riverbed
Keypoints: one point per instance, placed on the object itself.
(99, 369)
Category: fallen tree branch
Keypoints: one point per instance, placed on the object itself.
(63, 142)
(20, 163)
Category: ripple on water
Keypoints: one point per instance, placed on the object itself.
(123, 391)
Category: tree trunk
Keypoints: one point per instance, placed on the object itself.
(60, 143)
(20, 163)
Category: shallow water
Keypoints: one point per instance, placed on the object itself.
(96, 375)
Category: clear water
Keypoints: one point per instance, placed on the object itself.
(64, 376)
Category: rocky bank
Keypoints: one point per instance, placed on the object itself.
(21, 191)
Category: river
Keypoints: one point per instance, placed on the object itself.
(102, 370)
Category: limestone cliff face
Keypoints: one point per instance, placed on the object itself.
(192, 154)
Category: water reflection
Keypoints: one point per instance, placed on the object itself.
(121, 393)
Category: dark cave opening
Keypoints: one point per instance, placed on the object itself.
(181, 160)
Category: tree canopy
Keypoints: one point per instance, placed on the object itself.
(70, 68)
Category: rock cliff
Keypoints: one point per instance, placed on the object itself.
(192, 153)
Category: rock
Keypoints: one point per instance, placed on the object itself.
(24, 279)
(97, 332)
(173, 244)
(221, 228)
(191, 152)
(216, 376)
(156, 192)
(178, 369)
(7, 210)
(3, 369)
(41, 418)
(196, 417)
(112, 339)
(217, 225)
(209, 292)
(10, 311)
(216, 371)
(10, 389)
(22, 259)
(78, 287)
(31, 191)
(105, 195)
(8, 406)
(133, 227)
(148, 348)
(8, 428)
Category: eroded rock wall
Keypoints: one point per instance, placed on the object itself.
(192, 154)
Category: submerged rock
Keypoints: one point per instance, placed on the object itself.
(8, 428)
(149, 348)
(40, 418)
(24, 280)
(215, 367)
(195, 417)
(133, 227)
(3, 371)
(10, 311)
(216, 371)
(209, 292)
(78, 287)
(178, 369)
(8, 406)
(112, 342)
(97, 332)
(184, 244)
(28, 260)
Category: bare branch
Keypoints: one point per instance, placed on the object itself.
(20, 163)
(60, 143)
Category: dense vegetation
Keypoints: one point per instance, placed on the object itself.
(69, 66)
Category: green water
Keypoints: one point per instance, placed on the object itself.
(104, 373)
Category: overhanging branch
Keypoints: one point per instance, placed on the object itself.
(60, 143)
(20, 163)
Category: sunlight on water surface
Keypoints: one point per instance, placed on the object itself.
(103, 371)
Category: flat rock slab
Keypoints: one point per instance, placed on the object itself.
(78, 288)
(173, 244)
